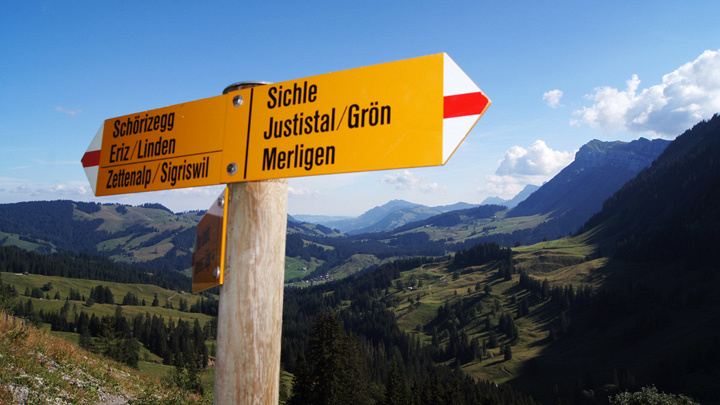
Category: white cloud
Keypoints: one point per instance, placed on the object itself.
(302, 192)
(538, 159)
(58, 191)
(66, 111)
(552, 98)
(688, 95)
(406, 180)
(19, 191)
(520, 167)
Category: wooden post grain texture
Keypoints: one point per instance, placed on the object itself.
(247, 368)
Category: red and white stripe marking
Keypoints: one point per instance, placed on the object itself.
(463, 102)
(91, 158)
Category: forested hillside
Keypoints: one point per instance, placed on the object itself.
(85, 266)
(650, 316)
(374, 359)
(149, 235)
(671, 210)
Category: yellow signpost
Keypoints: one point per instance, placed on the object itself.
(410, 113)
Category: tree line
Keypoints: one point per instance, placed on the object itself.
(85, 266)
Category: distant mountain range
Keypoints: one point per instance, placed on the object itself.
(153, 235)
(150, 234)
(386, 217)
(565, 202)
(511, 203)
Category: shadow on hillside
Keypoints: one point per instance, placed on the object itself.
(647, 324)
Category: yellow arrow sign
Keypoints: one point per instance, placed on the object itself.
(410, 113)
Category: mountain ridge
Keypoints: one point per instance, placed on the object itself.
(637, 307)
(388, 216)
(681, 195)
(578, 191)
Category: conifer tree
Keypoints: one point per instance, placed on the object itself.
(7, 297)
(397, 391)
(335, 371)
(85, 340)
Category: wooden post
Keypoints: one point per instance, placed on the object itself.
(247, 367)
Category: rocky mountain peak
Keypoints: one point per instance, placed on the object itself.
(634, 155)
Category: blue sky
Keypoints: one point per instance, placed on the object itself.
(559, 74)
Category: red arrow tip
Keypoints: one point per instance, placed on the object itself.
(91, 158)
(461, 105)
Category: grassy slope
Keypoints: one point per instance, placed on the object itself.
(36, 367)
(473, 228)
(294, 267)
(119, 290)
(439, 287)
(14, 240)
(150, 363)
(354, 264)
(562, 262)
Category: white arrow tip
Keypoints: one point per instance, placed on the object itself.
(455, 81)
(464, 103)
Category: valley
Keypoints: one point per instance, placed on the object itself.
(480, 304)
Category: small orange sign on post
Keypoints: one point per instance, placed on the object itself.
(208, 261)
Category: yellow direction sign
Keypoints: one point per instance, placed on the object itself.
(410, 113)
(208, 260)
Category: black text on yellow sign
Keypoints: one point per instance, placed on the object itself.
(379, 117)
